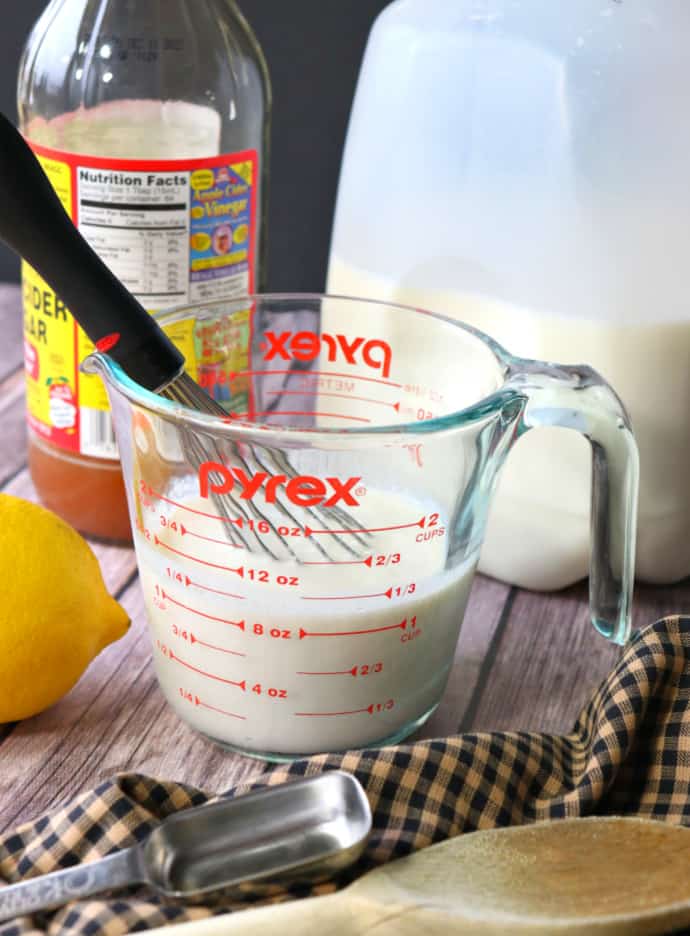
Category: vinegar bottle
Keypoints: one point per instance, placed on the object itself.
(151, 118)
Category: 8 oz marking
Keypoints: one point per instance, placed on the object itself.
(276, 633)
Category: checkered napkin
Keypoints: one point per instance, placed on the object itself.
(629, 753)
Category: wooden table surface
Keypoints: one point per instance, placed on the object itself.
(524, 661)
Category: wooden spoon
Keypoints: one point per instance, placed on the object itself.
(579, 876)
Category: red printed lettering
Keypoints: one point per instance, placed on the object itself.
(278, 346)
(341, 491)
(307, 346)
(250, 486)
(384, 364)
(303, 490)
(205, 484)
(351, 348)
(272, 486)
(307, 491)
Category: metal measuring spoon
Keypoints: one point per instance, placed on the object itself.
(302, 830)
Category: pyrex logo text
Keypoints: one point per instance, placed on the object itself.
(306, 346)
(303, 490)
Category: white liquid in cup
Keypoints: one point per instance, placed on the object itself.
(543, 495)
(304, 658)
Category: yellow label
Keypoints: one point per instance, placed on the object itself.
(182, 334)
(60, 176)
(201, 242)
(91, 389)
(202, 180)
(241, 234)
(51, 390)
(246, 171)
(188, 254)
(214, 263)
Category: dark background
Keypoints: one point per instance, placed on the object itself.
(314, 49)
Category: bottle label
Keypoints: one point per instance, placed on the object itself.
(174, 232)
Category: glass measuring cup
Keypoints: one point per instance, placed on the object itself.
(307, 560)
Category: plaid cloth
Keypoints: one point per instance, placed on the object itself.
(629, 753)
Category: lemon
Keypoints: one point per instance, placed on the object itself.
(55, 612)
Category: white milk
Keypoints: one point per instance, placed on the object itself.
(544, 490)
(289, 658)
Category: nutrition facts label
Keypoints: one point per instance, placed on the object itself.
(175, 232)
(139, 224)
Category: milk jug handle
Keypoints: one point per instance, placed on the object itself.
(579, 398)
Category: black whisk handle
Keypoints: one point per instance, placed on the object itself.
(35, 225)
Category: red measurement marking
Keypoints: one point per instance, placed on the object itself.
(387, 594)
(347, 672)
(366, 562)
(359, 419)
(210, 565)
(212, 708)
(208, 539)
(199, 513)
(369, 710)
(405, 526)
(203, 643)
(283, 373)
(339, 396)
(369, 561)
(373, 630)
(228, 682)
(216, 591)
(209, 617)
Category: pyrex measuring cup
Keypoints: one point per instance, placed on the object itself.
(306, 561)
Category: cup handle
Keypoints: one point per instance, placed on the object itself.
(579, 398)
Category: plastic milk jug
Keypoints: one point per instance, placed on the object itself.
(523, 166)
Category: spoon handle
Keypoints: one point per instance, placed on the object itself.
(35, 225)
(56, 889)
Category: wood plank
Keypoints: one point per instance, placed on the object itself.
(482, 618)
(10, 329)
(13, 444)
(550, 659)
(117, 562)
(115, 719)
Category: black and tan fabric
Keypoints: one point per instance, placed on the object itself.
(629, 753)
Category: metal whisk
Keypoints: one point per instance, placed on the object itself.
(184, 390)
(35, 225)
